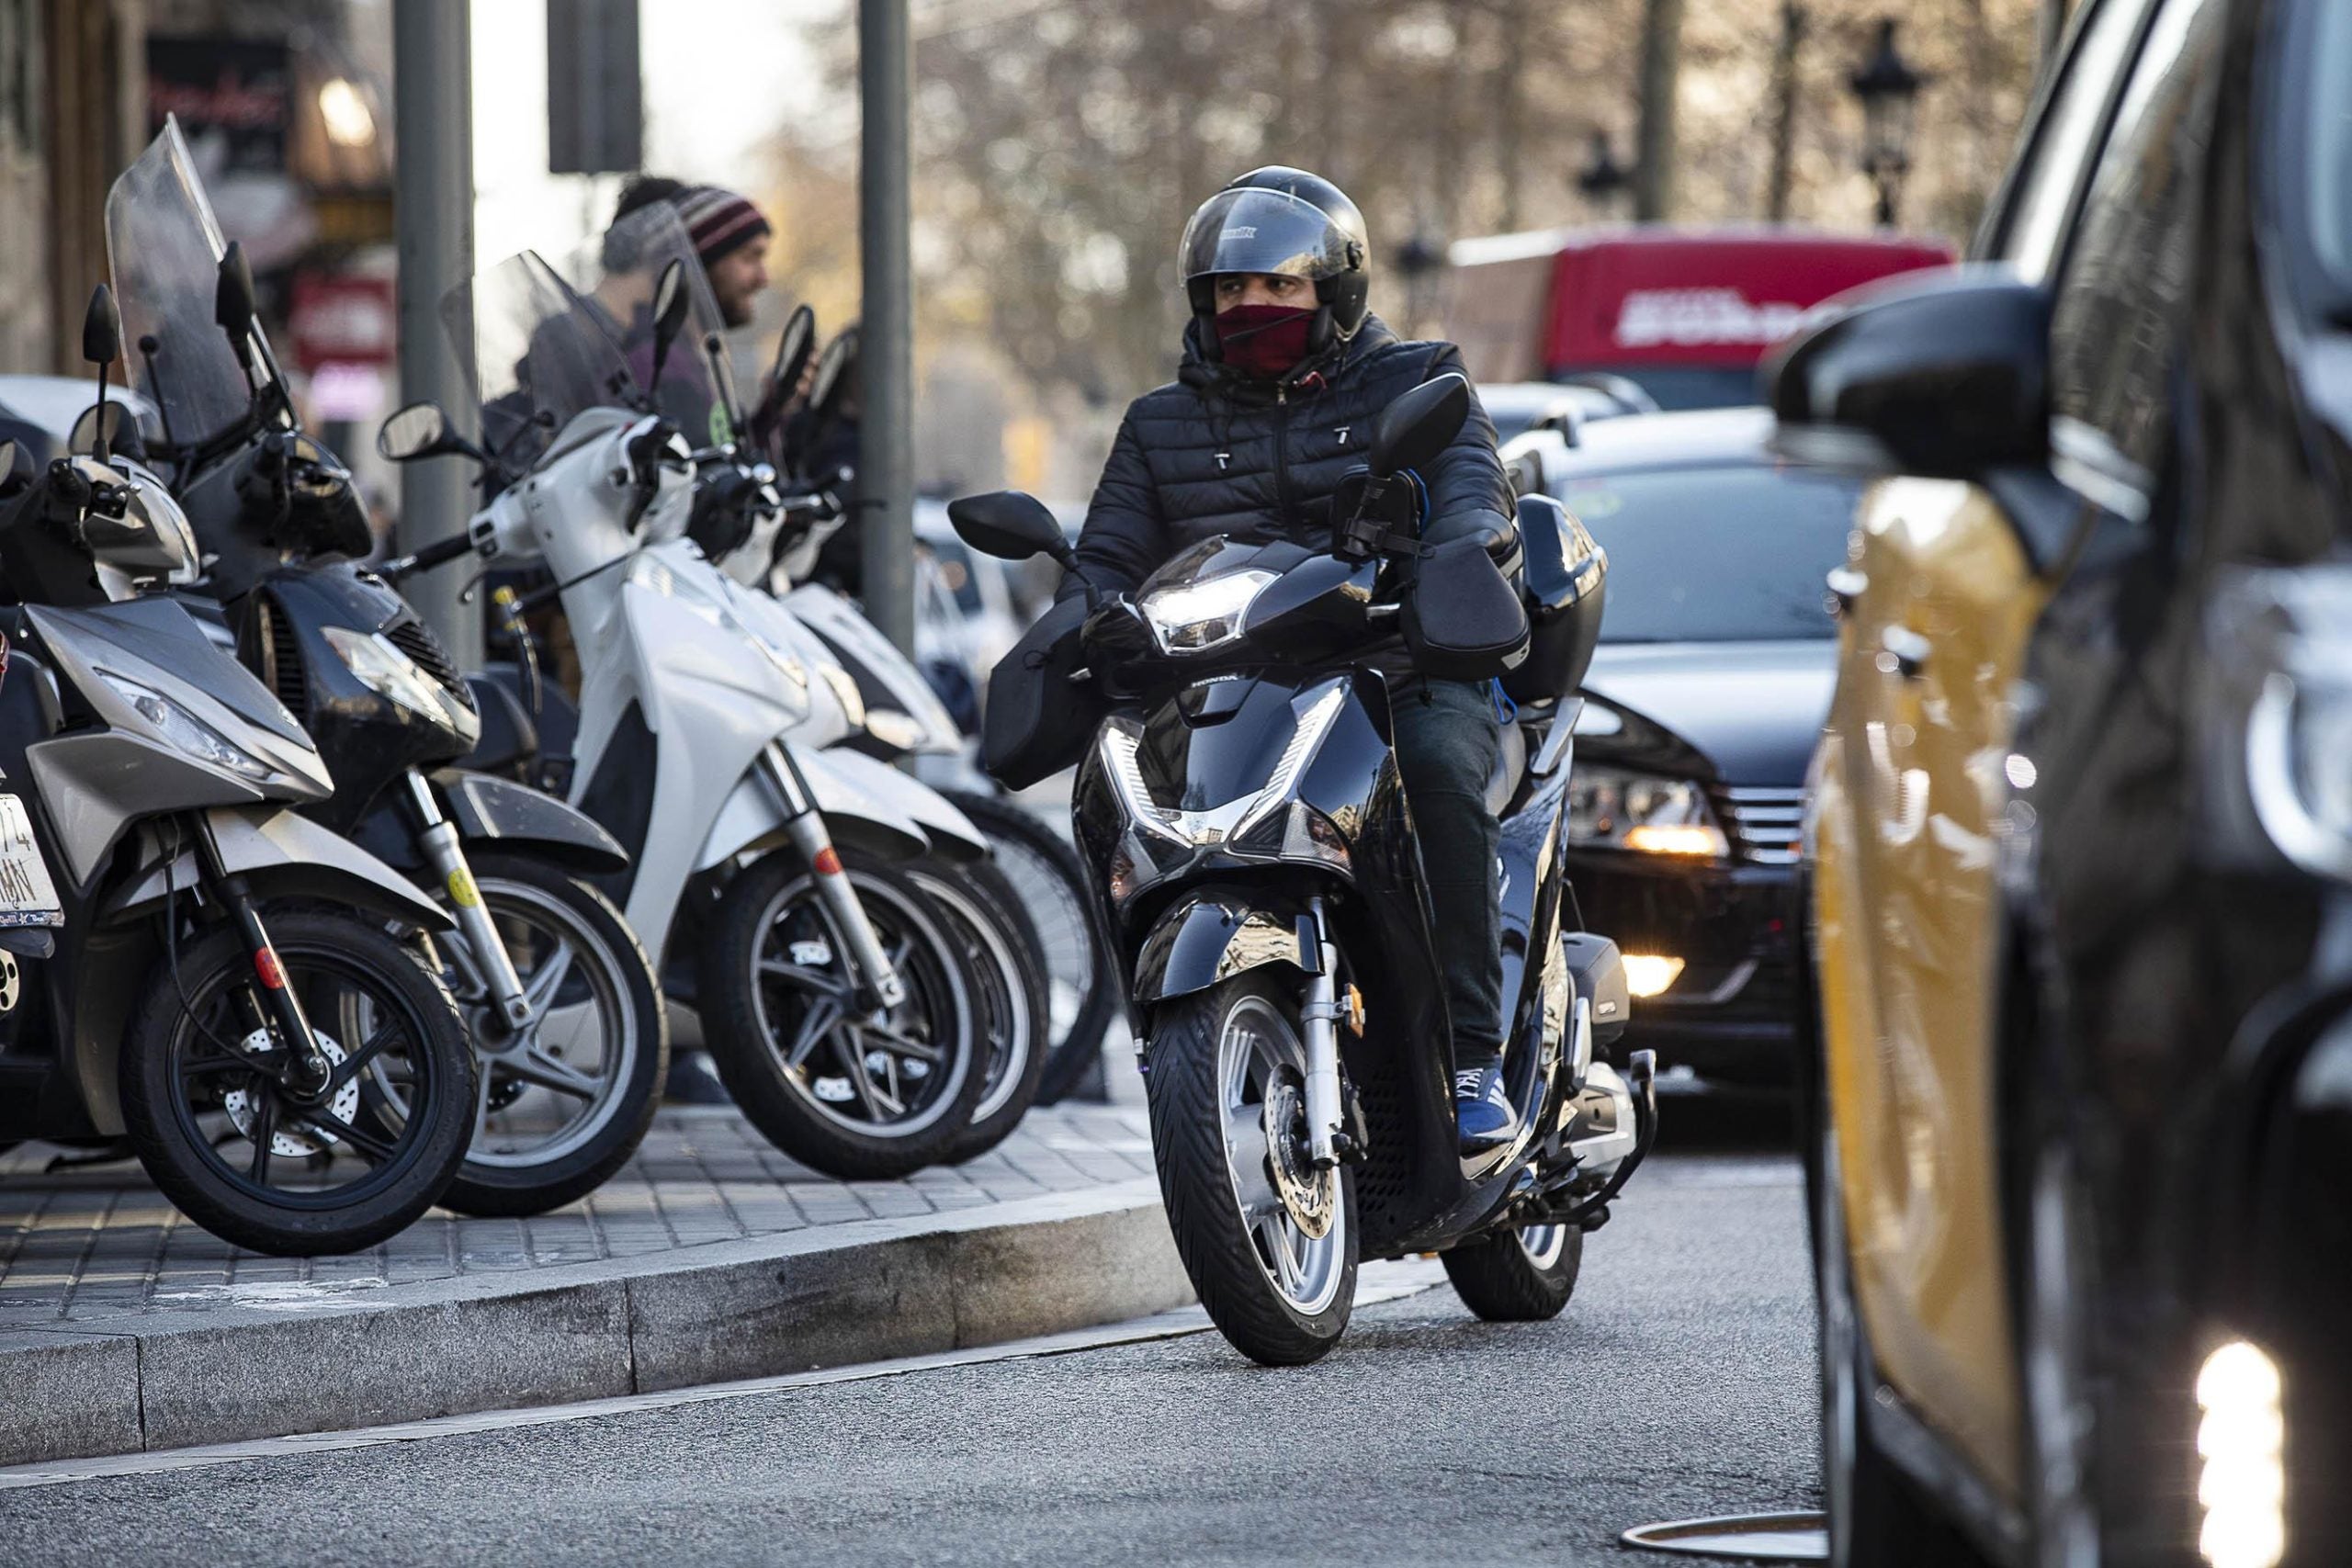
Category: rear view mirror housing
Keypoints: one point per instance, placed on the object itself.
(793, 347)
(232, 301)
(101, 327)
(1941, 375)
(1009, 525)
(1418, 426)
(830, 391)
(419, 430)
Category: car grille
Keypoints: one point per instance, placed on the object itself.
(1764, 823)
(415, 640)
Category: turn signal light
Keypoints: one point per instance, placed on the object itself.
(2242, 1439)
(1649, 974)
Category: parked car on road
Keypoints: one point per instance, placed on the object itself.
(1513, 407)
(1706, 696)
(2081, 839)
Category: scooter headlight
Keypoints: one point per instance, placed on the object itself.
(387, 671)
(1197, 616)
(182, 728)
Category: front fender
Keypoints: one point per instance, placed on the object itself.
(951, 833)
(1207, 937)
(502, 814)
(281, 855)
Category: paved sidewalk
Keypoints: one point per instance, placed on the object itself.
(97, 1244)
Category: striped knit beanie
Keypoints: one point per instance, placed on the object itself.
(719, 221)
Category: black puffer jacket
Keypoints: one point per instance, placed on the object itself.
(1213, 453)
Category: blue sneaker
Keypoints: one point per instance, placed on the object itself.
(1482, 1111)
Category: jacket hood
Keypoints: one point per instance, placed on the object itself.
(1209, 377)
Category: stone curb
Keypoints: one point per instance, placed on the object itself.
(838, 1295)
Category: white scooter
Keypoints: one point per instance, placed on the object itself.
(834, 1000)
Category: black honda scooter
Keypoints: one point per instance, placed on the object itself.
(1252, 848)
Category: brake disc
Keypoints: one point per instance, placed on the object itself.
(1310, 1196)
(241, 1104)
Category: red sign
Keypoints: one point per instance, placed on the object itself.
(1664, 297)
(345, 319)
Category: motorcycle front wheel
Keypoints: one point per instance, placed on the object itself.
(563, 1103)
(860, 1092)
(1269, 1240)
(277, 1166)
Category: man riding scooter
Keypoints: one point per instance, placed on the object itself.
(1284, 371)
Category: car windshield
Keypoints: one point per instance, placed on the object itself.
(164, 247)
(1729, 554)
(538, 353)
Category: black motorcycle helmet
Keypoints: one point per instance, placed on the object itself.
(1280, 219)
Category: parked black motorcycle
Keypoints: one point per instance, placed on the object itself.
(562, 1006)
(298, 1085)
(1253, 851)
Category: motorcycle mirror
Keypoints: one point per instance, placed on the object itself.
(232, 301)
(420, 430)
(670, 302)
(1417, 427)
(11, 455)
(1009, 525)
(793, 347)
(101, 327)
(100, 422)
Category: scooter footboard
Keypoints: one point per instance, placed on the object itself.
(281, 855)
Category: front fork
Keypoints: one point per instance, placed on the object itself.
(1322, 1012)
(806, 825)
(448, 858)
(279, 1006)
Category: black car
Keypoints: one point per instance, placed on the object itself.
(1706, 696)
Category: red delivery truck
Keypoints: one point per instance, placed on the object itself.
(1685, 313)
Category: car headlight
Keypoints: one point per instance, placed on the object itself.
(384, 670)
(189, 733)
(1202, 616)
(1616, 808)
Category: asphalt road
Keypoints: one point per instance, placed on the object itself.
(1678, 1382)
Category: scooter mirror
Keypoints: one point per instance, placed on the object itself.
(830, 391)
(9, 455)
(669, 303)
(101, 327)
(420, 430)
(108, 421)
(1417, 427)
(232, 301)
(1009, 525)
(793, 347)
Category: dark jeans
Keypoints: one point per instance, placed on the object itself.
(1447, 739)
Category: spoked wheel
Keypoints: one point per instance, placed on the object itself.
(565, 1100)
(984, 915)
(1081, 992)
(1517, 1276)
(855, 1090)
(229, 1131)
(1269, 1240)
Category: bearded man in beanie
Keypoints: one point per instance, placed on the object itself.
(729, 235)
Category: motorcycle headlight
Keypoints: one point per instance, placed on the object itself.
(385, 670)
(1616, 808)
(1202, 616)
(189, 733)
(1121, 746)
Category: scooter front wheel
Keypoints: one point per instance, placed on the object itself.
(1269, 1240)
(252, 1153)
(850, 1089)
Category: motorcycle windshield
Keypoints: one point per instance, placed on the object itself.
(620, 269)
(1221, 556)
(537, 352)
(164, 247)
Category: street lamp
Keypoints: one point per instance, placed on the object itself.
(1602, 176)
(1889, 90)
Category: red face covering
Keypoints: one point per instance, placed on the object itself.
(1264, 340)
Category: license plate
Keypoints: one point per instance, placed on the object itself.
(28, 897)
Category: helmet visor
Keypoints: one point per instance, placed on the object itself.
(1262, 231)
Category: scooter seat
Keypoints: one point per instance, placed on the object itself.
(1510, 772)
